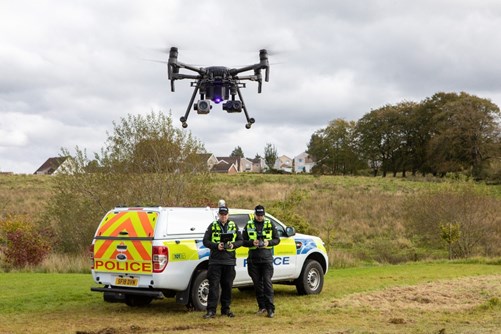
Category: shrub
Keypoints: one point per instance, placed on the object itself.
(472, 217)
(22, 243)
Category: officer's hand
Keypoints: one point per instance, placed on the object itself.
(256, 243)
(265, 243)
(230, 245)
(220, 246)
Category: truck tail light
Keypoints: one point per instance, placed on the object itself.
(91, 255)
(160, 258)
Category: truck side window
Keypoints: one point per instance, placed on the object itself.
(241, 220)
(280, 228)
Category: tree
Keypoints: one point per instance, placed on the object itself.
(145, 162)
(333, 150)
(150, 144)
(378, 138)
(237, 152)
(450, 233)
(466, 136)
(270, 155)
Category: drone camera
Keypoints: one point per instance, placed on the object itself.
(203, 107)
(232, 106)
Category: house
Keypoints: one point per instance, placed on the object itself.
(53, 166)
(258, 165)
(231, 160)
(224, 167)
(210, 159)
(303, 163)
(246, 165)
(284, 163)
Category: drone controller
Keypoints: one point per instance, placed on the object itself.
(226, 239)
(260, 239)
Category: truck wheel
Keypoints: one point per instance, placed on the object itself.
(137, 301)
(200, 291)
(311, 280)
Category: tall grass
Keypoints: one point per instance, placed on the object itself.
(57, 263)
(24, 194)
(361, 219)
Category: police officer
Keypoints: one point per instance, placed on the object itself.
(222, 262)
(260, 235)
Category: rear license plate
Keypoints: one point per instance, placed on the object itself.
(126, 281)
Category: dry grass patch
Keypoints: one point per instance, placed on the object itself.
(451, 295)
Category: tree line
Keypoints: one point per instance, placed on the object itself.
(445, 133)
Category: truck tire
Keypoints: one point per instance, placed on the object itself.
(137, 301)
(199, 291)
(311, 280)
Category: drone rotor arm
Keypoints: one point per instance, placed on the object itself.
(249, 77)
(200, 71)
(179, 76)
(235, 71)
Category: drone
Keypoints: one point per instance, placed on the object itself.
(217, 84)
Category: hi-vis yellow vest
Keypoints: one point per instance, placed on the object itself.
(267, 231)
(216, 232)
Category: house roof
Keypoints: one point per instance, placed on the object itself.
(231, 160)
(50, 165)
(222, 167)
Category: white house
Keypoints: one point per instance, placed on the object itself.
(258, 165)
(284, 163)
(303, 163)
(54, 165)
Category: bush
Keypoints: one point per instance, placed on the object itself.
(22, 243)
(475, 216)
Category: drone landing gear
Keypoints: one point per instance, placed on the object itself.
(251, 121)
(183, 122)
(184, 118)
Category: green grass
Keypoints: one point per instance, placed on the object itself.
(63, 303)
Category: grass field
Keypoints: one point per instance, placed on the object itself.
(410, 298)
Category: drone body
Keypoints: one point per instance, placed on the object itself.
(217, 84)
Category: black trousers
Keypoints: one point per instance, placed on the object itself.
(220, 276)
(261, 274)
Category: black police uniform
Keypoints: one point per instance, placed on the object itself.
(221, 269)
(260, 264)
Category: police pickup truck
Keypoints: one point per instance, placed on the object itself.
(145, 253)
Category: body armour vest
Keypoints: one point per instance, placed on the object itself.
(216, 232)
(267, 233)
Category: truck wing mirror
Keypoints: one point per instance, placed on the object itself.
(290, 231)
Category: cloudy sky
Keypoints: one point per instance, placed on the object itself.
(68, 69)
